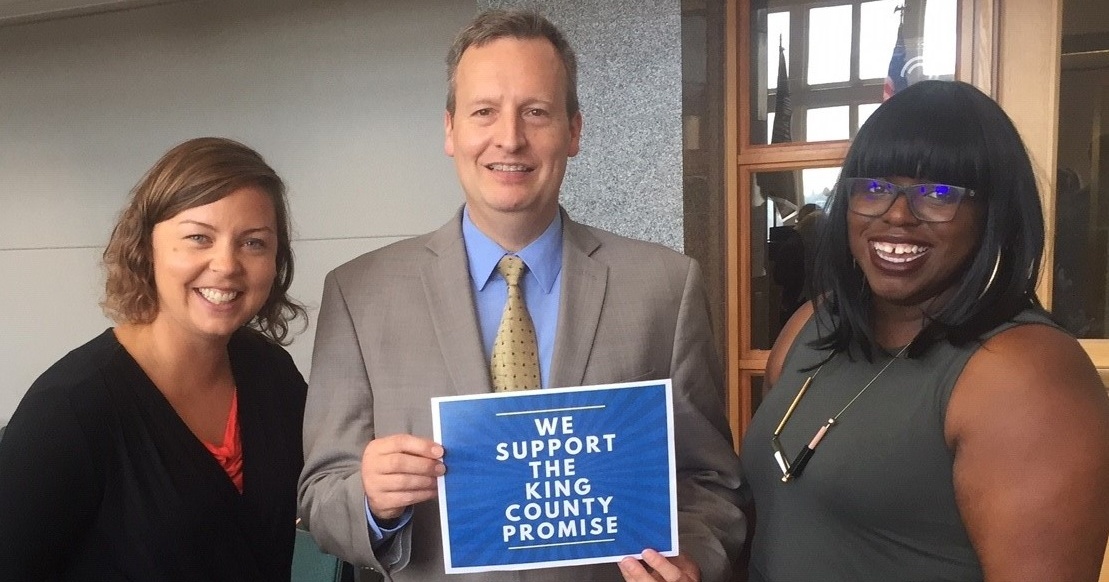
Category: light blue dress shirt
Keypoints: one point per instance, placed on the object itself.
(541, 286)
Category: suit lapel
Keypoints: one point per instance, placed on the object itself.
(584, 281)
(450, 300)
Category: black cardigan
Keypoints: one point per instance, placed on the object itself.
(101, 480)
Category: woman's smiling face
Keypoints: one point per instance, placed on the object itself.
(908, 262)
(214, 265)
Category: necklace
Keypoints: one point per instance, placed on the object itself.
(792, 470)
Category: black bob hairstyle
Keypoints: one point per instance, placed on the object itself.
(952, 133)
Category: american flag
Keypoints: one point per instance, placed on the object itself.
(895, 76)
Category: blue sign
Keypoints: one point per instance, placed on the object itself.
(557, 477)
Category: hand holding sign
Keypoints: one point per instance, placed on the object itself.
(398, 471)
(677, 569)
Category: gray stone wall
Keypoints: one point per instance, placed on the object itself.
(628, 176)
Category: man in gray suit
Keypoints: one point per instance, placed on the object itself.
(417, 319)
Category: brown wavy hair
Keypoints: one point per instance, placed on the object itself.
(197, 172)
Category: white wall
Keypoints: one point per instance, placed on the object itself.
(343, 97)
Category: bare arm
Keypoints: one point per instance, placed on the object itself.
(1029, 424)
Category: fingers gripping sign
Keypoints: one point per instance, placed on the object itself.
(399, 471)
(659, 568)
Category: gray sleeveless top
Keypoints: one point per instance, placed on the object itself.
(876, 501)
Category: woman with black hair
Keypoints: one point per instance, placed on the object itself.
(928, 420)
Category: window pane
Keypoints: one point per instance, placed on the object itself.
(758, 390)
(1077, 295)
(826, 67)
(1080, 294)
(939, 40)
(829, 50)
(865, 110)
(818, 184)
(828, 123)
(877, 34)
(786, 206)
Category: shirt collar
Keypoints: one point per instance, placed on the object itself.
(543, 256)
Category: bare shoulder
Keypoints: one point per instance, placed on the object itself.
(1036, 357)
(785, 341)
(1030, 372)
(1028, 422)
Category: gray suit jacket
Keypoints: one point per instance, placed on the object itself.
(398, 326)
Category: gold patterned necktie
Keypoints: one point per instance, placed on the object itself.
(515, 362)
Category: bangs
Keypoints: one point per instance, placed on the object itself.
(213, 184)
(947, 132)
(922, 137)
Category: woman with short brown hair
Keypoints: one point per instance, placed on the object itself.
(168, 447)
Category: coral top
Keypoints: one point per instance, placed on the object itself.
(230, 453)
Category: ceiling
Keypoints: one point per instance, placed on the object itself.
(1079, 16)
(15, 11)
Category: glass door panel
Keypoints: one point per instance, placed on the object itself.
(1081, 258)
(785, 215)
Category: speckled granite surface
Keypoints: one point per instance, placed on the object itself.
(628, 176)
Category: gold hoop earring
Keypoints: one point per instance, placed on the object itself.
(993, 274)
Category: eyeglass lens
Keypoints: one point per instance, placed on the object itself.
(928, 202)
